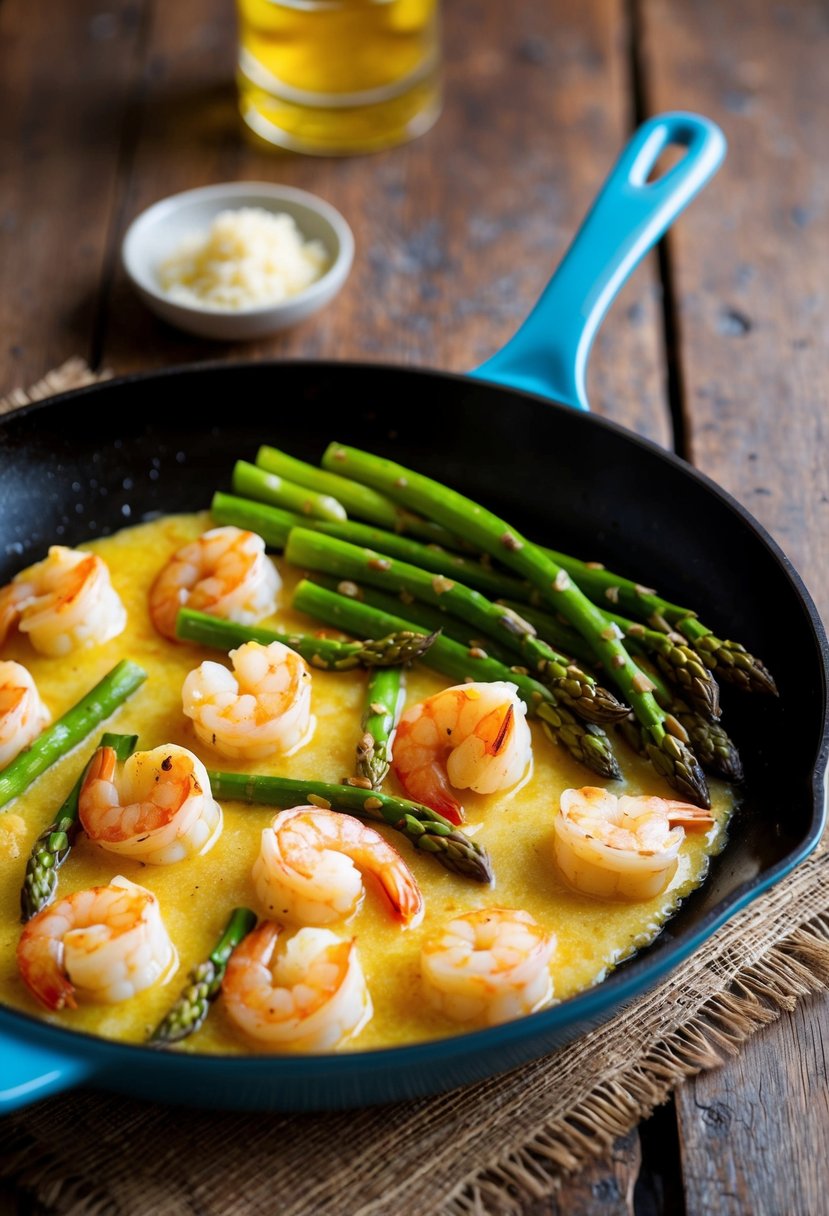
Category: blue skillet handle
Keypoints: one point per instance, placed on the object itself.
(30, 1071)
(549, 353)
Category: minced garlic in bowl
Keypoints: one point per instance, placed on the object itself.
(247, 257)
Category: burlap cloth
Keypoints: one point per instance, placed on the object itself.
(488, 1148)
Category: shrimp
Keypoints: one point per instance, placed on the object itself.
(471, 736)
(160, 810)
(264, 708)
(621, 848)
(22, 713)
(102, 945)
(225, 572)
(309, 995)
(63, 603)
(306, 872)
(488, 966)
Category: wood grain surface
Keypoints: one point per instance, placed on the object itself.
(109, 106)
(749, 276)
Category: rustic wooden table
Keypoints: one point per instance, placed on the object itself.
(714, 349)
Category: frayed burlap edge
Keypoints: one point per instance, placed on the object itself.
(796, 967)
(74, 373)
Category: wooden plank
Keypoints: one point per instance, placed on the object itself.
(456, 232)
(605, 1187)
(755, 1134)
(750, 259)
(749, 273)
(67, 76)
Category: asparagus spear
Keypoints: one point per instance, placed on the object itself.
(255, 483)
(729, 660)
(401, 646)
(571, 686)
(419, 614)
(678, 662)
(64, 734)
(555, 631)
(585, 741)
(358, 500)
(203, 983)
(672, 757)
(713, 748)
(54, 843)
(273, 525)
(382, 709)
(426, 829)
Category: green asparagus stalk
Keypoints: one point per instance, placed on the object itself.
(358, 500)
(678, 662)
(572, 686)
(585, 741)
(730, 661)
(382, 710)
(713, 748)
(426, 829)
(559, 634)
(672, 757)
(255, 483)
(273, 525)
(68, 731)
(402, 646)
(54, 844)
(204, 983)
(419, 614)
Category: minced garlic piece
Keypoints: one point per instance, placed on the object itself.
(247, 257)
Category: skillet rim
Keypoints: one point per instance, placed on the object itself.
(643, 970)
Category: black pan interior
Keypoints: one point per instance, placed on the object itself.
(108, 456)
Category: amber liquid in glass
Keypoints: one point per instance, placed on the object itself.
(339, 76)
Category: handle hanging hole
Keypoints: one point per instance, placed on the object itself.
(670, 155)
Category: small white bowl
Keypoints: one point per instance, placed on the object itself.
(158, 231)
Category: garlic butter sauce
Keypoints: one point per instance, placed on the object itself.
(197, 895)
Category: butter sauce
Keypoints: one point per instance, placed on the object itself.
(197, 895)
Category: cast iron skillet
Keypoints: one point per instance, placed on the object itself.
(89, 462)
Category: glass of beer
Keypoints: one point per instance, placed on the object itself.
(335, 77)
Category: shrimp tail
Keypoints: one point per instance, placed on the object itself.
(405, 898)
(42, 967)
(503, 733)
(57, 995)
(692, 818)
(448, 807)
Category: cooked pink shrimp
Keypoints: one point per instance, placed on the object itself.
(64, 602)
(262, 709)
(310, 995)
(488, 966)
(306, 872)
(22, 713)
(159, 811)
(621, 848)
(471, 736)
(225, 572)
(102, 945)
